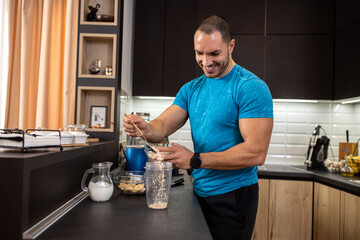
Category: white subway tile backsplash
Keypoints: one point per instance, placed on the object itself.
(277, 138)
(295, 160)
(319, 107)
(280, 117)
(294, 124)
(319, 118)
(297, 107)
(342, 118)
(301, 128)
(274, 159)
(278, 149)
(297, 139)
(279, 128)
(280, 107)
(296, 149)
(340, 108)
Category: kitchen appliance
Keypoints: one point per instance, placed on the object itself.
(317, 150)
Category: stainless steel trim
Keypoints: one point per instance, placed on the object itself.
(44, 224)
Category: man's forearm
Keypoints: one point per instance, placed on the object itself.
(240, 156)
(155, 131)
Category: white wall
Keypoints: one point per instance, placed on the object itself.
(293, 126)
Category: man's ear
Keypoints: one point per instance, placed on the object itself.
(231, 45)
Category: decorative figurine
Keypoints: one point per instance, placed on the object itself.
(108, 70)
(92, 14)
(95, 66)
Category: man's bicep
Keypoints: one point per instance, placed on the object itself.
(256, 130)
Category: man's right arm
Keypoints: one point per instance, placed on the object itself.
(167, 123)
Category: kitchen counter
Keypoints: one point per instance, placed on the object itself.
(128, 217)
(335, 180)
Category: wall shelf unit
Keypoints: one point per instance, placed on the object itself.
(97, 94)
(97, 46)
(89, 97)
(107, 7)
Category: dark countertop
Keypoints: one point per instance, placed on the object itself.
(128, 217)
(335, 180)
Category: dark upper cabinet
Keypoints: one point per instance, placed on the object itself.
(148, 47)
(163, 46)
(299, 66)
(347, 63)
(246, 17)
(300, 16)
(179, 56)
(347, 13)
(249, 53)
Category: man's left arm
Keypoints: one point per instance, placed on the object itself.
(252, 152)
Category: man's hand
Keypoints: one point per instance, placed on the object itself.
(180, 156)
(129, 127)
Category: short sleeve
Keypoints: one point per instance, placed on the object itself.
(181, 98)
(254, 99)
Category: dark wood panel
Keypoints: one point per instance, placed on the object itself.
(347, 63)
(148, 47)
(245, 17)
(299, 66)
(249, 53)
(347, 13)
(300, 16)
(179, 54)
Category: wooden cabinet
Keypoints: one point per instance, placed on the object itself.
(326, 212)
(285, 210)
(99, 49)
(336, 214)
(290, 209)
(350, 217)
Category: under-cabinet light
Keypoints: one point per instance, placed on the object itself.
(296, 100)
(157, 98)
(350, 101)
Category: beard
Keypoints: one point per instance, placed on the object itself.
(222, 68)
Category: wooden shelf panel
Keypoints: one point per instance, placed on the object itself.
(97, 46)
(95, 96)
(107, 7)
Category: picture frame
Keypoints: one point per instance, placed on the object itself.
(98, 115)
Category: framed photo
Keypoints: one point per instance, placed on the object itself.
(98, 116)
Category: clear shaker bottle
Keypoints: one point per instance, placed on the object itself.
(158, 184)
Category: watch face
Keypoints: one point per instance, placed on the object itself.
(195, 162)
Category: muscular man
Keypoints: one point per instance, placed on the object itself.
(231, 117)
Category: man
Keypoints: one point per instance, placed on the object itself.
(231, 118)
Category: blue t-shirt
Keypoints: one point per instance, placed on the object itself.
(214, 106)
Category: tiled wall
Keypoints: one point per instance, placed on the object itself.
(293, 126)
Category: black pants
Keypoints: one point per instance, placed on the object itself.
(231, 215)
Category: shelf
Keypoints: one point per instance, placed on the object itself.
(97, 46)
(101, 98)
(107, 7)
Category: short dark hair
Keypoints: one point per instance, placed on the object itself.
(216, 23)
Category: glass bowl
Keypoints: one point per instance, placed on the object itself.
(130, 182)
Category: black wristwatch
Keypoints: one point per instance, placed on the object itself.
(195, 161)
